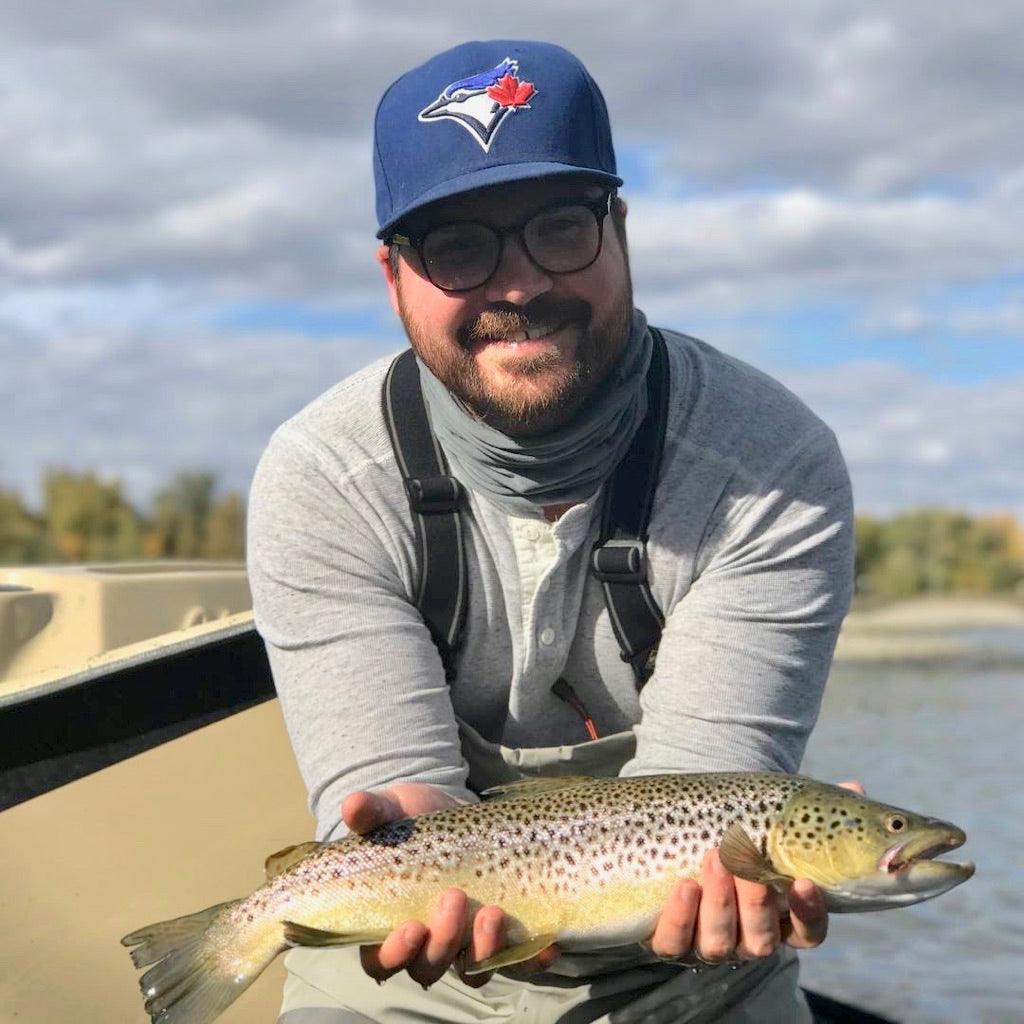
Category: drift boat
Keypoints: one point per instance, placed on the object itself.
(144, 767)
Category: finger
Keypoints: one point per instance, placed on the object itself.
(673, 934)
(807, 924)
(542, 961)
(395, 953)
(759, 931)
(363, 811)
(854, 785)
(488, 940)
(717, 915)
(447, 934)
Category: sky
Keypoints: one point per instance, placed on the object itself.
(833, 192)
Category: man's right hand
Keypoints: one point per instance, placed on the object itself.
(426, 951)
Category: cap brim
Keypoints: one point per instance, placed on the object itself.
(494, 176)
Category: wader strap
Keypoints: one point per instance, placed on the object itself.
(435, 498)
(619, 559)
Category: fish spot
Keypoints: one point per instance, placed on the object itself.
(393, 834)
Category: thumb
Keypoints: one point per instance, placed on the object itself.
(362, 811)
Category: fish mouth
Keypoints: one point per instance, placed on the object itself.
(902, 856)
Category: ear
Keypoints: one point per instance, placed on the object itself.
(384, 259)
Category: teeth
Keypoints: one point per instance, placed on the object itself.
(532, 334)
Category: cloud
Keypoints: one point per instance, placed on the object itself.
(126, 124)
(174, 170)
(776, 248)
(140, 408)
(1004, 320)
(911, 441)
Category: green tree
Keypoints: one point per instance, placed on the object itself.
(225, 529)
(87, 519)
(21, 533)
(868, 536)
(179, 523)
(938, 551)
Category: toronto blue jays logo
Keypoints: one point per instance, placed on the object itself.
(481, 102)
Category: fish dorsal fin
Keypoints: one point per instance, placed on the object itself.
(277, 863)
(740, 857)
(534, 787)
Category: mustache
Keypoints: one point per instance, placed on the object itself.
(504, 319)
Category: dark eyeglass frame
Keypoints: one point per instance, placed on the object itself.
(600, 208)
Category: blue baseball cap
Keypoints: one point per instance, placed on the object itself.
(485, 113)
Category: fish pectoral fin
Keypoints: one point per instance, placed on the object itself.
(304, 935)
(740, 857)
(512, 955)
(534, 787)
(278, 863)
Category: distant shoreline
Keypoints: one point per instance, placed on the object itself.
(920, 628)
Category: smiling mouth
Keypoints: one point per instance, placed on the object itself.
(534, 333)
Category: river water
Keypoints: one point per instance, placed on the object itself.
(945, 739)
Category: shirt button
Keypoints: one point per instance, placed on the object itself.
(531, 532)
(547, 637)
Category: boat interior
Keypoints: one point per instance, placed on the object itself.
(145, 773)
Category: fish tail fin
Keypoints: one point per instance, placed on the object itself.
(200, 964)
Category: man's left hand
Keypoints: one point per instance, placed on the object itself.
(727, 918)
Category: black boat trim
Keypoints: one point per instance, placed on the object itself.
(99, 717)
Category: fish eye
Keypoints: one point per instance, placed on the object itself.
(896, 823)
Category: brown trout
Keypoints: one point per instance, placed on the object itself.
(585, 863)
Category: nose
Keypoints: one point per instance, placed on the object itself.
(518, 279)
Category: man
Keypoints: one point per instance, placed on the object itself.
(504, 253)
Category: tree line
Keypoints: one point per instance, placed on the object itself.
(938, 551)
(86, 519)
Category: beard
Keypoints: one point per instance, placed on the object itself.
(542, 391)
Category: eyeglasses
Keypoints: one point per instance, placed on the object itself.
(562, 238)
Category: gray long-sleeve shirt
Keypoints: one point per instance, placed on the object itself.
(751, 557)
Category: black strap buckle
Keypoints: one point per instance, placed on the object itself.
(434, 495)
(620, 560)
